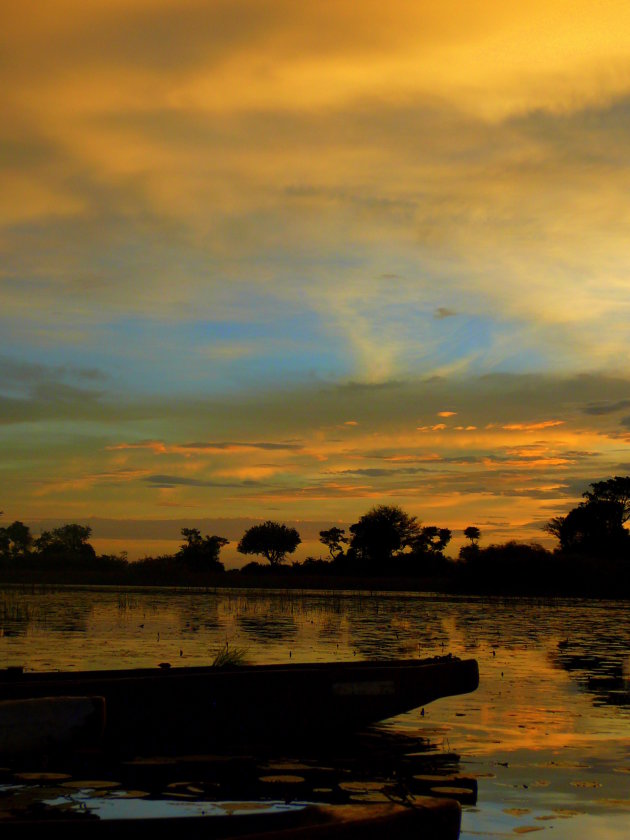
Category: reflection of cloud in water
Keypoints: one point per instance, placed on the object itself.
(386, 628)
(603, 675)
(330, 627)
(588, 640)
(195, 617)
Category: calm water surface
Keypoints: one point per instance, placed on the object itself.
(547, 734)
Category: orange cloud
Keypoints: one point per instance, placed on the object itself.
(532, 427)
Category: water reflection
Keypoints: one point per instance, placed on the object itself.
(87, 628)
(605, 676)
(546, 734)
(22, 612)
(270, 627)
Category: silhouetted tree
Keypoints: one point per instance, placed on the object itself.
(511, 566)
(202, 553)
(68, 542)
(334, 539)
(15, 541)
(271, 540)
(554, 527)
(432, 539)
(473, 534)
(615, 490)
(593, 528)
(380, 532)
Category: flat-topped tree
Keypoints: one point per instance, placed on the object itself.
(271, 540)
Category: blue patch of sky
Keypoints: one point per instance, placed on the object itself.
(479, 340)
(149, 356)
(482, 339)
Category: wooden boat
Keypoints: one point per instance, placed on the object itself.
(167, 709)
(429, 819)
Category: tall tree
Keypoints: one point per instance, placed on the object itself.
(271, 540)
(615, 490)
(432, 539)
(554, 527)
(593, 528)
(202, 553)
(66, 542)
(380, 532)
(15, 540)
(473, 534)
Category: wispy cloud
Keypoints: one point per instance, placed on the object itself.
(607, 407)
(183, 481)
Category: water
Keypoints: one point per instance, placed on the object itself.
(547, 734)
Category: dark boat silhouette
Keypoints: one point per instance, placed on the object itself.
(163, 709)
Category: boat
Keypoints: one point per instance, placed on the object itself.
(430, 819)
(166, 710)
(43, 724)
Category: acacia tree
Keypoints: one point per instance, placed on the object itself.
(334, 540)
(382, 531)
(271, 540)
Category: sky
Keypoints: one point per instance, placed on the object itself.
(269, 259)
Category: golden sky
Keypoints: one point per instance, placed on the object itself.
(290, 260)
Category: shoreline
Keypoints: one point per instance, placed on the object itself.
(334, 586)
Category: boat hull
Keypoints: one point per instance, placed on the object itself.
(162, 710)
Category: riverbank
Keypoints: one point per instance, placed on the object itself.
(289, 580)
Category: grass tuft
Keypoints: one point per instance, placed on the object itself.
(228, 657)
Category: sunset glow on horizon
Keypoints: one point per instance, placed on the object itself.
(271, 260)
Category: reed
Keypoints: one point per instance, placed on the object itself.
(228, 657)
(127, 602)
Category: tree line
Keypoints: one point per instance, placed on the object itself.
(386, 542)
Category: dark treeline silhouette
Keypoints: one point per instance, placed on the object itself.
(385, 548)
